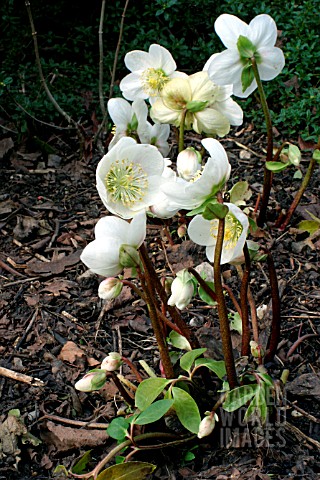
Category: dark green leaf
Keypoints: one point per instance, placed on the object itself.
(148, 390)
(154, 412)
(215, 210)
(186, 409)
(127, 471)
(188, 358)
(205, 296)
(81, 464)
(245, 47)
(276, 166)
(239, 396)
(216, 366)
(118, 428)
(247, 77)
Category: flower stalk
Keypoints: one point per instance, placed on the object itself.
(181, 130)
(267, 180)
(222, 308)
(245, 347)
(276, 311)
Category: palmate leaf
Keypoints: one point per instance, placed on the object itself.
(154, 412)
(186, 409)
(216, 366)
(239, 396)
(148, 390)
(188, 358)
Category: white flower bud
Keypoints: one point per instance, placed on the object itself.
(93, 380)
(206, 426)
(188, 163)
(257, 350)
(182, 290)
(110, 288)
(112, 362)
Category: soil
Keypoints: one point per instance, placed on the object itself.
(54, 327)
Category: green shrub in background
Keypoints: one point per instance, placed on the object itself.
(68, 42)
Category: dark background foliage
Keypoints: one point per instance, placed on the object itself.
(68, 43)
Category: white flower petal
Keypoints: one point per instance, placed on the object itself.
(162, 58)
(229, 28)
(102, 256)
(131, 87)
(263, 31)
(137, 230)
(120, 112)
(208, 62)
(111, 226)
(272, 62)
(137, 61)
(231, 110)
(211, 121)
(226, 68)
(199, 231)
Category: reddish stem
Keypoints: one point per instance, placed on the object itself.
(276, 311)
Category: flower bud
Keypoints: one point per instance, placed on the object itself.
(182, 230)
(182, 290)
(188, 163)
(128, 256)
(93, 380)
(110, 288)
(112, 362)
(206, 426)
(257, 350)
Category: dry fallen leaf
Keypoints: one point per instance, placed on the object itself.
(70, 352)
(54, 267)
(67, 438)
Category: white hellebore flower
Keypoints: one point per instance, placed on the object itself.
(182, 290)
(93, 380)
(207, 425)
(156, 135)
(163, 207)
(243, 42)
(102, 255)
(205, 184)
(207, 107)
(150, 72)
(129, 177)
(129, 120)
(204, 232)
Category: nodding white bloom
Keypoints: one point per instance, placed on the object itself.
(112, 362)
(205, 184)
(110, 288)
(150, 72)
(209, 106)
(204, 232)
(129, 120)
(102, 255)
(163, 207)
(182, 290)
(188, 163)
(243, 42)
(129, 177)
(93, 380)
(156, 135)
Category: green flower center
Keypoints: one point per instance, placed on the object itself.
(153, 81)
(232, 231)
(126, 182)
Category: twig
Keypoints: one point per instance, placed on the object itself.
(20, 377)
(43, 80)
(10, 270)
(76, 423)
(295, 345)
(101, 99)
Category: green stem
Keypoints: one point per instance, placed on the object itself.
(267, 181)
(299, 193)
(181, 130)
(222, 309)
(138, 438)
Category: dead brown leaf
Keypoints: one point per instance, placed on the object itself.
(54, 267)
(25, 226)
(63, 439)
(6, 144)
(70, 352)
(58, 285)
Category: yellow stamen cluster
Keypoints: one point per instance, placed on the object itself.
(153, 81)
(126, 182)
(232, 231)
